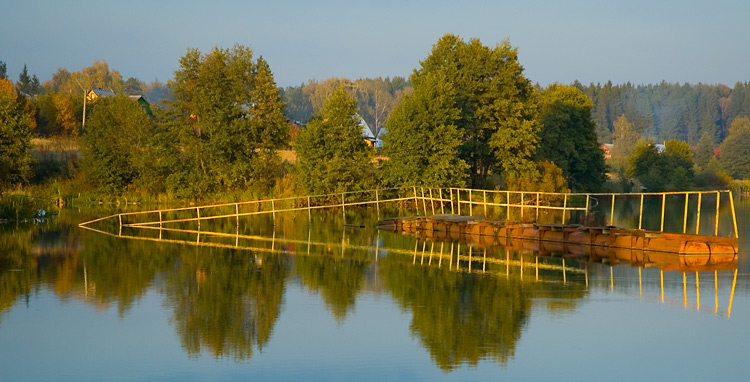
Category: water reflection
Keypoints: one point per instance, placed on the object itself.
(224, 284)
(225, 302)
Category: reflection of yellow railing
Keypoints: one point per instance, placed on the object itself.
(438, 200)
(685, 301)
(460, 258)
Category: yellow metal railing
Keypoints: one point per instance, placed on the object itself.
(497, 204)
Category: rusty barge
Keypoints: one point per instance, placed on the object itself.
(629, 245)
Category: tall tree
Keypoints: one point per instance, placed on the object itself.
(332, 155)
(115, 144)
(624, 140)
(98, 75)
(422, 140)
(132, 86)
(568, 137)
(704, 151)
(268, 129)
(226, 118)
(15, 137)
(3, 70)
(733, 151)
(671, 170)
(28, 85)
(499, 133)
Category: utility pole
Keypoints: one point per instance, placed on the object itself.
(83, 122)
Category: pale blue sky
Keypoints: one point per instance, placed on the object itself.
(641, 41)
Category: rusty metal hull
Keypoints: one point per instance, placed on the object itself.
(612, 243)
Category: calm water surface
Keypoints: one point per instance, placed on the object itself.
(332, 298)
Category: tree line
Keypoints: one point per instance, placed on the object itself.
(669, 111)
(466, 116)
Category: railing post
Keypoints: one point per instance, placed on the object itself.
(471, 203)
(698, 216)
(343, 206)
(309, 209)
(273, 211)
(537, 207)
(734, 220)
(432, 201)
(612, 213)
(450, 191)
(442, 205)
(237, 213)
(586, 213)
(507, 205)
(716, 222)
(198, 212)
(565, 207)
(120, 216)
(684, 215)
(160, 225)
(377, 203)
(458, 200)
(484, 202)
(640, 213)
(522, 206)
(416, 202)
(424, 203)
(663, 202)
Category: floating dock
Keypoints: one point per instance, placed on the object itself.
(573, 239)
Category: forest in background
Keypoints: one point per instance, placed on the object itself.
(466, 116)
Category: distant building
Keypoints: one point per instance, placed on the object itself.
(142, 103)
(93, 94)
(97, 93)
(367, 133)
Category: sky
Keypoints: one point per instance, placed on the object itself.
(592, 41)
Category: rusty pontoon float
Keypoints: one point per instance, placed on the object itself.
(609, 241)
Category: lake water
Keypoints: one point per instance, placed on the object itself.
(331, 298)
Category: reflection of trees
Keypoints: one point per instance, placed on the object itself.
(338, 280)
(459, 317)
(226, 301)
(15, 266)
(120, 270)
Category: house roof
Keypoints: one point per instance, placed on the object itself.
(366, 131)
(100, 92)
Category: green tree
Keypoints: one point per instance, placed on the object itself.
(27, 84)
(705, 150)
(98, 75)
(671, 170)
(3, 70)
(422, 141)
(227, 121)
(624, 140)
(568, 137)
(497, 125)
(115, 144)
(733, 151)
(132, 86)
(298, 106)
(15, 137)
(59, 79)
(547, 178)
(332, 157)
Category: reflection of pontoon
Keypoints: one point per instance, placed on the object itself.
(668, 251)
